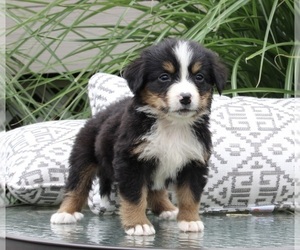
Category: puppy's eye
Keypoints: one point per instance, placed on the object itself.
(164, 77)
(199, 77)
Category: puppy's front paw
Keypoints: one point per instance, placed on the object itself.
(141, 230)
(169, 215)
(191, 226)
(66, 218)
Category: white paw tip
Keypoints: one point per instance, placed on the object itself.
(191, 226)
(141, 230)
(65, 218)
(169, 215)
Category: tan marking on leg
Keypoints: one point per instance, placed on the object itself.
(169, 67)
(74, 200)
(188, 207)
(134, 214)
(196, 67)
(159, 202)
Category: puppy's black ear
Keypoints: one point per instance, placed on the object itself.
(220, 73)
(134, 74)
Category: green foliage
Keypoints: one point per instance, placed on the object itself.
(254, 38)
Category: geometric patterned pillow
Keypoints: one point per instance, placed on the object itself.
(252, 165)
(104, 89)
(35, 160)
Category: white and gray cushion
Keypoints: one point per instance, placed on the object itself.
(36, 160)
(251, 168)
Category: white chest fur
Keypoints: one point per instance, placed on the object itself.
(174, 145)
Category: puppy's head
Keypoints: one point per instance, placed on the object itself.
(175, 78)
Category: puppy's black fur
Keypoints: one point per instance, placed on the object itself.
(119, 143)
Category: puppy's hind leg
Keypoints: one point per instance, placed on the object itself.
(75, 197)
(161, 206)
(83, 166)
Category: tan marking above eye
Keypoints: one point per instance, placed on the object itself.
(196, 67)
(169, 67)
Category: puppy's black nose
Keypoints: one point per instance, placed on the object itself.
(185, 98)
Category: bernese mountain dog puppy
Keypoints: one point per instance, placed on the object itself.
(159, 136)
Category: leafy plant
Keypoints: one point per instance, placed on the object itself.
(45, 82)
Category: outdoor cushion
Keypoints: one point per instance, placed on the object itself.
(251, 168)
(35, 160)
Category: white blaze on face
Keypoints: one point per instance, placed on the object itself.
(183, 54)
